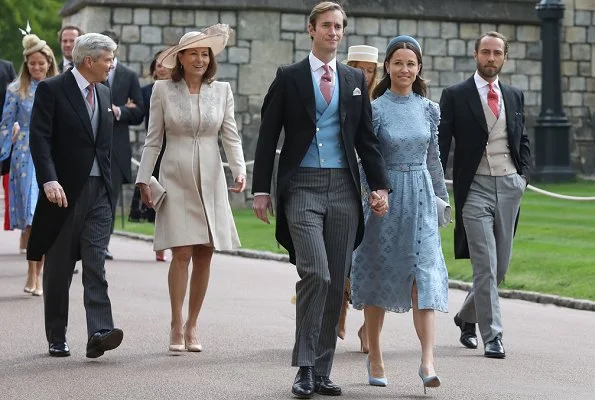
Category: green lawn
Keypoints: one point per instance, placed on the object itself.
(554, 249)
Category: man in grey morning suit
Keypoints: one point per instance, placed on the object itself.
(71, 138)
(324, 110)
(490, 173)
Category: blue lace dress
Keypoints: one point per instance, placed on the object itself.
(22, 186)
(404, 246)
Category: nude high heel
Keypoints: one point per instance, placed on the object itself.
(192, 347)
(363, 345)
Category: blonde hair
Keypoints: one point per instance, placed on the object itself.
(354, 64)
(31, 45)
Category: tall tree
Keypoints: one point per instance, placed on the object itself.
(45, 20)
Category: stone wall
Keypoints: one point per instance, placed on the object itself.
(272, 33)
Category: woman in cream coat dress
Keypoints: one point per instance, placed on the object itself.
(195, 216)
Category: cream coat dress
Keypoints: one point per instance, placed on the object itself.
(196, 207)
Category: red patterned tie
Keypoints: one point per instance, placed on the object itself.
(326, 85)
(91, 96)
(493, 102)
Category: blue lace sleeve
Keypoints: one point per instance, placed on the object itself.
(9, 116)
(433, 157)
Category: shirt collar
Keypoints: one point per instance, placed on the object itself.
(80, 79)
(315, 63)
(480, 82)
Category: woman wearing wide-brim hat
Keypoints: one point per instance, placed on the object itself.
(195, 217)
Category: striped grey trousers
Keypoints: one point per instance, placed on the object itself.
(322, 209)
(84, 236)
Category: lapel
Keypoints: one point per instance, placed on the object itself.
(75, 97)
(345, 90)
(509, 107)
(475, 104)
(117, 77)
(303, 79)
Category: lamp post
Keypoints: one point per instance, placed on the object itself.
(552, 145)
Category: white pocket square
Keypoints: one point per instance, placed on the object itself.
(109, 109)
(357, 92)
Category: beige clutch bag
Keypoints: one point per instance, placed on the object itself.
(444, 212)
(157, 193)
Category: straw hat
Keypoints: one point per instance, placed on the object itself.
(363, 53)
(214, 36)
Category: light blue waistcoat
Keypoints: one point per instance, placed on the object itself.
(326, 149)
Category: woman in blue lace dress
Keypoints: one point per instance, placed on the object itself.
(39, 64)
(400, 264)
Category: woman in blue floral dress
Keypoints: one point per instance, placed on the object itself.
(400, 265)
(39, 63)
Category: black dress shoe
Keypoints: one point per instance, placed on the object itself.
(323, 385)
(59, 349)
(494, 349)
(468, 336)
(103, 341)
(108, 255)
(303, 385)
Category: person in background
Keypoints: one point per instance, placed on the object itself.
(365, 58)
(39, 63)
(400, 264)
(67, 36)
(491, 167)
(7, 75)
(128, 108)
(195, 216)
(138, 210)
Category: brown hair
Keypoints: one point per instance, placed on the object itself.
(67, 28)
(419, 85)
(354, 64)
(323, 7)
(25, 75)
(493, 34)
(177, 73)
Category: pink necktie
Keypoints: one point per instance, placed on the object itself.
(326, 85)
(91, 96)
(493, 102)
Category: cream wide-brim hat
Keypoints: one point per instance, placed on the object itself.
(215, 37)
(363, 53)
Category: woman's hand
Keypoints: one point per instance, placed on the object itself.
(16, 128)
(145, 194)
(240, 184)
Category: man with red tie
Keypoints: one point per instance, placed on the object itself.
(490, 173)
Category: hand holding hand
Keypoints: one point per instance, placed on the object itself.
(260, 205)
(240, 184)
(145, 194)
(16, 128)
(379, 202)
(55, 194)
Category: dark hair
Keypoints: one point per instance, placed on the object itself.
(177, 73)
(323, 7)
(493, 34)
(112, 35)
(153, 65)
(68, 28)
(419, 85)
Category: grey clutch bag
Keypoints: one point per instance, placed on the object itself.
(157, 193)
(444, 212)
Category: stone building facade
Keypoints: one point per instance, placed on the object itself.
(269, 33)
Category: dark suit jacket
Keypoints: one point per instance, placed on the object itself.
(63, 149)
(147, 91)
(463, 118)
(290, 105)
(125, 86)
(7, 75)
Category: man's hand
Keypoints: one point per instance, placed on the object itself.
(117, 112)
(145, 194)
(260, 205)
(379, 202)
(240, 184)
(55, 194)
(16, 128)
(130, 104)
